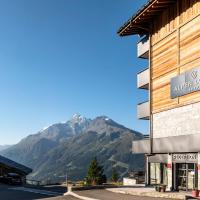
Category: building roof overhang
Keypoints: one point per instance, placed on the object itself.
(15, 166)
(140, 22)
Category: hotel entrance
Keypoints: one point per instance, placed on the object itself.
(185, 171)
(186, 176)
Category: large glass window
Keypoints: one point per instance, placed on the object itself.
(186, 176)
(158, 173)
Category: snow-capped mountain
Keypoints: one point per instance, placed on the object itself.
(36, 145)
(73, 144)
(78, 123)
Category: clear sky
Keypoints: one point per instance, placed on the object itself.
(60, 57)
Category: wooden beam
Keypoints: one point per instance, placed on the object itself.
(152, 9)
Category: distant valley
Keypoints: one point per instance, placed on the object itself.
(70, 146)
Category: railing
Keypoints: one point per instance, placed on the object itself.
(143, 110)
(146, 137)
(143, 48)
(143, 79)
(44, 182)
(141, 146)
(33, 182)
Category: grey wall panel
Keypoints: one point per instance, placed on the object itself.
(143, 110)
(158, 158)
(177, 144)
(184, 120)
(141, 146)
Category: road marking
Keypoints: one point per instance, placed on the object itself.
(78, 196)
(44, 192)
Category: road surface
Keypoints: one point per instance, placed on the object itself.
(20, 193)
(51, 193)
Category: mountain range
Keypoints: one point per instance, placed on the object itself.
(69, 147)
(3, 147)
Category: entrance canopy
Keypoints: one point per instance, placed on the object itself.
(11, 166)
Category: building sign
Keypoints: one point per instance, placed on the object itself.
(185, 83)
(185, 158)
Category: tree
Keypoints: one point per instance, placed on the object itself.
(115, 175)
(95, 175)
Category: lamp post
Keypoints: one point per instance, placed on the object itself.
(66, 181)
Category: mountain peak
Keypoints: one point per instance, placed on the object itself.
(77, 116)
(73, 144)
(78, 123)
(105, 118)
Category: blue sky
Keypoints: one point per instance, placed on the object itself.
(60, 57)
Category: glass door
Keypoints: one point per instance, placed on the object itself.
(186, 176)
(182, 176)
(191, 176)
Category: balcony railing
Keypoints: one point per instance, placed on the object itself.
(143, 110)
(146, 137)
(143, 79)
(143, 48)
(141, 146)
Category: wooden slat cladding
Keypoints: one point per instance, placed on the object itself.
(163, 56)
(175, 48)
(188, 9)
(161, 92)
(195, 96)
(190, 41)
(166, 24)
(173, 17)
(161, 99)
(190, 65)
(163, 67)
(163, 80)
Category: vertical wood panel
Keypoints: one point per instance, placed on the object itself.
(169, 20)
(175, 49)
(164, 56)
(190, 41)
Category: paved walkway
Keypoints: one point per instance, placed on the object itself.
(108, 195)
(62, 198)
(148, 192)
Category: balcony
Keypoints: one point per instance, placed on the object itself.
(141, 146)
(143, 79)
(143, 48)
(143, 110)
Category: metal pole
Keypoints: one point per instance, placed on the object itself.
(66, 180)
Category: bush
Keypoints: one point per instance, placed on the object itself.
(115, 176)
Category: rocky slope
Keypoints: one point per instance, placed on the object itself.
(69, 147)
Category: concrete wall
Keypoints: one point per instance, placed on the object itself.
(129, 181)
(179, 121)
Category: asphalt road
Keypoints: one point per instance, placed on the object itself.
(18, 193)
(22, 193)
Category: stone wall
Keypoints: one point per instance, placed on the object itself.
(179, 121)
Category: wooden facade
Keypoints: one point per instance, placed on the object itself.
(173, 27)
(175, 48)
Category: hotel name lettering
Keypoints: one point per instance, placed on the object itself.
(190, 158)
(185, 83)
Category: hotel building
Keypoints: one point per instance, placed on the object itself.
(169, 33)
